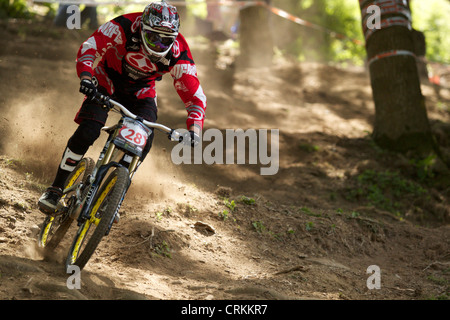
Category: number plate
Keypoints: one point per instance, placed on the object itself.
(132, 136)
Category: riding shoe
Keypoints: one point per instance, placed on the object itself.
(48, 201)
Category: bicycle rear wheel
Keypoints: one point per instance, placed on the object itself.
(55, 227)
(106, 204)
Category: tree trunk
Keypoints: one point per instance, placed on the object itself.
(401, 121)
(255, 37)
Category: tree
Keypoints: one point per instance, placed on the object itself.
(401, 120)
(255, 37)
(14, 9)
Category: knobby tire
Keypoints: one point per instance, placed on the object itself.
(110, 194)
(54, 228)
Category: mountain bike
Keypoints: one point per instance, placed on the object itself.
(94, 191)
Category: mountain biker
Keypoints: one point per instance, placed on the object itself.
(135, 50)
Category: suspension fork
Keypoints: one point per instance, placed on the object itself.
(106, 161)
(101, 173)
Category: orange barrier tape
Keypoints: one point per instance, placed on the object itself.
(388, 7)
(274, 10)
(388, 54)
(386, 23)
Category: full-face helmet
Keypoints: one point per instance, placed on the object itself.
(159, 28)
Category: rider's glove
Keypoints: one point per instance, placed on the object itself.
(88, 88)
(191, 138)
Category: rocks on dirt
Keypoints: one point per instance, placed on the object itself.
(224, 192)
(204, 228)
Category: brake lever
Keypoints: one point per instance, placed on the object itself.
(103, 99)
(175, 136)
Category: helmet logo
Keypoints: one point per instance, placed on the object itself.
(176, 49)
(161, 15)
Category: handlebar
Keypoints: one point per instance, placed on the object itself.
(110, 103)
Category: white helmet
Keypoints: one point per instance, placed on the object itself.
(159, 28)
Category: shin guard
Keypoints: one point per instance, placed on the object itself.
(68, 163)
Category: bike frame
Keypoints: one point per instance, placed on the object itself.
(110, 157)
(85, 200)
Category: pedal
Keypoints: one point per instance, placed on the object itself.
(47, 211)
(60, 207)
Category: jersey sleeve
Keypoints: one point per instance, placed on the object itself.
(187, 84)
(106, 36)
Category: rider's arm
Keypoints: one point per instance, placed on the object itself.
(187, 85)
(106, 36)
(194, 128)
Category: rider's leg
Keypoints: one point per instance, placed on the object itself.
(84, 137)
(91, 118)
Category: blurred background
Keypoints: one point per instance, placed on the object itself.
(302, 42)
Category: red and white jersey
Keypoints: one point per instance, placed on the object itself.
(126, 68)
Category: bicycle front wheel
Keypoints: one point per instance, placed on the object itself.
(106, 203)
(55, 227)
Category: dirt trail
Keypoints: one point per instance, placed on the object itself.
(310, 233)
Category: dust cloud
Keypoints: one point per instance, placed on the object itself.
(36, 131)
(38, 104)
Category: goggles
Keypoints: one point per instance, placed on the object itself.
(156, 41)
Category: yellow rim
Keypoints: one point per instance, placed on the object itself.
(102, 197)
(75, 176)
(43, 241)
(48, 227)
(80, 238)
(93, 220)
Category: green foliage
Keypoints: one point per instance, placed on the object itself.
(159, 214)
(263, 230)
(338, 16)
(14, 9)
(437, 280)
(247, 200)
(225, 214)
(163, 249)
(424, 167)
(258, 226)
(309, 148)
(308, 212)
(385, 190)
(230, 205)
(440, 297)
(431, 17)
(355, 214)
(344, 17)
(197, 8)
